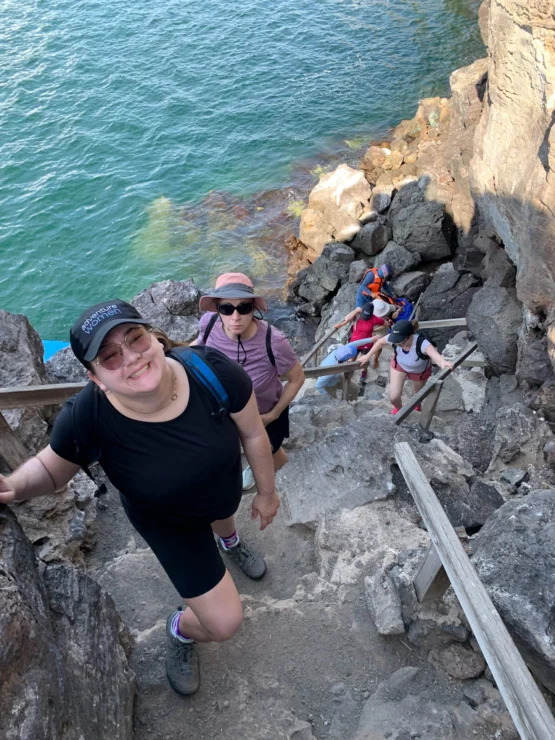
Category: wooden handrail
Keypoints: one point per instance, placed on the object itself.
(417, 399)
(38, 395)
(528, 708)
(343, 368)
(317, 346)
(441, 323)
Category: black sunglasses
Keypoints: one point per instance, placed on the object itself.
(243, 309)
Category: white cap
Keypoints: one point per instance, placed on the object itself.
(381, 308)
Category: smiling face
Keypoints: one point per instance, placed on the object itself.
(140, 372)
(236, 324)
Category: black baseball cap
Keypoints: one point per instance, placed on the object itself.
(88, 332)
(400, 331)
(367, 310)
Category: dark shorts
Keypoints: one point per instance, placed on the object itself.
(186, 548)
(278, 430)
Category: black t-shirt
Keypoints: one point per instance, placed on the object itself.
(184, 467)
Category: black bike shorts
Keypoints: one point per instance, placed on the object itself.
(278, 430)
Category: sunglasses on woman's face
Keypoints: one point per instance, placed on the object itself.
(137, 339)
(243, 309)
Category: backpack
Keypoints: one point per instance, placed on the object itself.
(419, 353)
(269, 349)
(406, 308)
(84, 407)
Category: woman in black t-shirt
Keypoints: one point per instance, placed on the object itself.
(161, 432)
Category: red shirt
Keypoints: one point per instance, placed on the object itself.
(364, 328)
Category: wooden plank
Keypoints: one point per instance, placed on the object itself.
(431, 581)
(317, 346)
(11, 448)
(37, 395)
(417, 399)
(528, 708)
(429, 405)
(416, 307)
(344, 367)
(441, 323)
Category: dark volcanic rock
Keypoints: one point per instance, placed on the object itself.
(420, 228)
(472, 438)
(371, 239)
(171, 305)
(494, 317)
(533, 363)
(515, 559)
(65, 672)
(64, 367)
(399, 258)
(411, 284)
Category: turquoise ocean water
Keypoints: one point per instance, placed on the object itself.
(142, 141)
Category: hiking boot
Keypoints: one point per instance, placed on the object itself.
(182, 667)
(251, 562)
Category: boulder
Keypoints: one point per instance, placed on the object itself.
(62, 650)
(533, 364)
(511, 171)
(334, 208)
(339, 471)
(448, 297)
(515, 560)
(399, 258)
(464, 390)
(411, 284)
(64, 367)
(467, 500)
(410, 194)
(459, 662)
(371, 239)
(494, 317)
(350, 542)
(171, 305)
(313, 416)
(420, 228)
(422, 703)
(544, 400)
(382, 599)
(380, 202)
(21, 364)
(497, 266)
(357, 270)
(471, 436)
(519, 439)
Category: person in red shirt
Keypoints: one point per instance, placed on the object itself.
(363, 328)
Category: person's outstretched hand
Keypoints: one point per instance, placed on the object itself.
(446, 363)
(266, 507)
(7, 494)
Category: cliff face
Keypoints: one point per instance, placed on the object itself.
(512, 168)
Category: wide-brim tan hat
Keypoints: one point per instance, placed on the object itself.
(233, 285)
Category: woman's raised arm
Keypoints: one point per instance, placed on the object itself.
(45, 473)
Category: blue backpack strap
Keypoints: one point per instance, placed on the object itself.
(205, 374)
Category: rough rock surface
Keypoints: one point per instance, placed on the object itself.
(420, 228)
(514, 557)
(171, 305)
(467, 500)
(334, 208)
(418, 703)
(64, 367)
(371, 239)
(400, 258)
(64, 668)
(494, 318)
(21, 364)
(338, 471)
(412, 284)
(319, 281)
(512, 166)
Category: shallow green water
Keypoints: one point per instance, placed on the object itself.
(118, 119)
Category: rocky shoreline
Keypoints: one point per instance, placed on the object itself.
(352, 654)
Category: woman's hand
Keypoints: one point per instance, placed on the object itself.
(445, 363)
(268, 418)
(364, 359)
(7, 494)
(339, 324)
(265, 506)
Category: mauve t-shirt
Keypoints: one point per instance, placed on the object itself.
(264, 376)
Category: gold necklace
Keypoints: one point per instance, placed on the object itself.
(172, 399)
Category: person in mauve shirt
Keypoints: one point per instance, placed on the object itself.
(263, 351)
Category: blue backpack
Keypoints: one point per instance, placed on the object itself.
(406, 308)
(84, 407)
